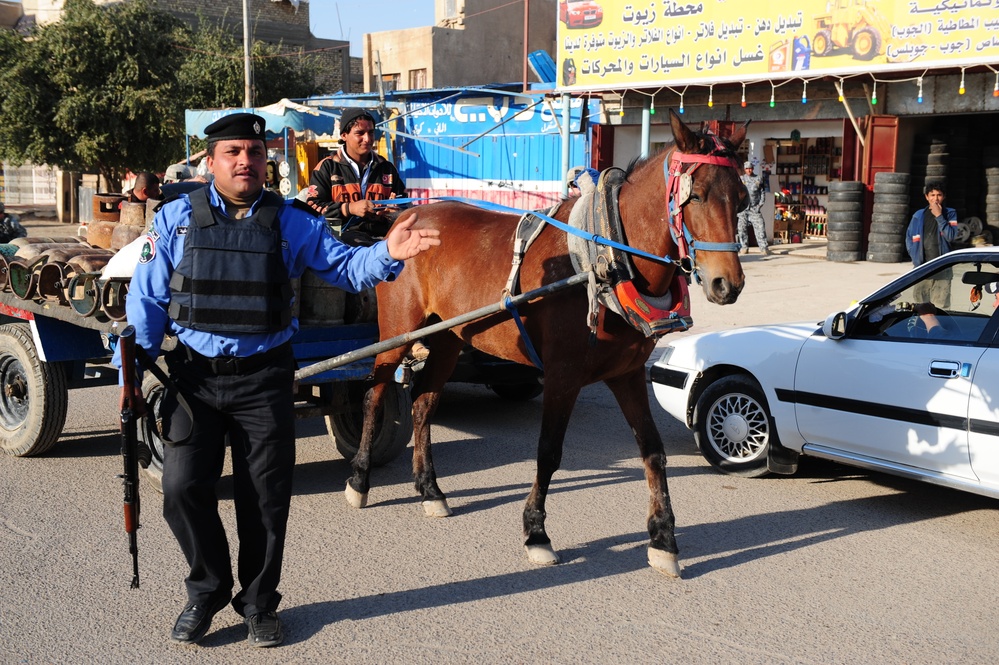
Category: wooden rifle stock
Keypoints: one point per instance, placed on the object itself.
(131, 408)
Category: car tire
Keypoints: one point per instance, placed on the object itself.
(733, 427)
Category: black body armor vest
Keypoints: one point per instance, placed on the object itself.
(232, 277)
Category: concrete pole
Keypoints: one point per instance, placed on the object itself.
(247, 74)
(646, 125)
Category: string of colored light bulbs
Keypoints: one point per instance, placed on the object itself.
(804, 90)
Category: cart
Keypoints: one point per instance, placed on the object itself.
(47, 348)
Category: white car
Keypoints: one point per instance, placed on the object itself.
(888, 385)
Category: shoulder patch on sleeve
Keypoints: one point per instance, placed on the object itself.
(148, 250)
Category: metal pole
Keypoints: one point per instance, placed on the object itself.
(527, 11)
(406, 338)
(646, 125)
(247, 89)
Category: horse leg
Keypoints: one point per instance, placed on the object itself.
(632, 396)
(359, 483)
(444, 348)
(558, 402)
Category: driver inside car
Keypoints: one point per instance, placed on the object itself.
(927, 312)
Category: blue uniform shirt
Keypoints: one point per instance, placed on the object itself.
(306, 243)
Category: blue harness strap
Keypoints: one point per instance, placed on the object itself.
(531, 352)
(496, 207)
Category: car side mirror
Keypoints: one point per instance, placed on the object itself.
(834, 327)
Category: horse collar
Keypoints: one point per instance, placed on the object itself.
(679, 185)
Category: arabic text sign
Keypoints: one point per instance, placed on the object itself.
(626, 44)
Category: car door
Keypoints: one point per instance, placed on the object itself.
(893, 401)
(896, 390)
(983, 419)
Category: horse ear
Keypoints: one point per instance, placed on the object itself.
(739, 135)
(686, 140)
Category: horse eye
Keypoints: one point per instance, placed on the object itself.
(694, 197)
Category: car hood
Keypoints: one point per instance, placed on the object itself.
(740, 346)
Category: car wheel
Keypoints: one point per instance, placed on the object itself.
(733, 427)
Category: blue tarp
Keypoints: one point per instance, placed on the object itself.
(320, 122)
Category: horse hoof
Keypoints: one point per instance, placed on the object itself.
(541, 555)
(664, 562)
(355, 498)
(436, 508)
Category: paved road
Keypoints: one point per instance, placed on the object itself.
(833, 565)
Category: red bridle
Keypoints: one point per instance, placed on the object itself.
(679, 184)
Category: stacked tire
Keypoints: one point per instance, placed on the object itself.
(845, 221)
(889, 218)
(991, 162)
(930, 157)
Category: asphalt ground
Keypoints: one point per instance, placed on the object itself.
(833, 565)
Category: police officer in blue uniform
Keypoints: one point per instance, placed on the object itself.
(215, 273)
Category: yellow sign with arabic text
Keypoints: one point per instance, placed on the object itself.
(611, 44)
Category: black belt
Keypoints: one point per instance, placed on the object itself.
(231, 365)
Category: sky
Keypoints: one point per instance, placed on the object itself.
(351, 19)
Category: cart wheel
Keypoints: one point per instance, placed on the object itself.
(152, 392)
(394, 432)
(33, 395)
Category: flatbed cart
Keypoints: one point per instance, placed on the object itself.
(47, 348)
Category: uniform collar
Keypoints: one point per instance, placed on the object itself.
(219, 203)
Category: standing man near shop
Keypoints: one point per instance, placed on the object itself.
(231, 312)
(752, 214)
(930, 232)
(343, 186)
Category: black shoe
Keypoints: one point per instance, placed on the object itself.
(265, 629)
(195, 620)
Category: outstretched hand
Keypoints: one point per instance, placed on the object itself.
(405, 242)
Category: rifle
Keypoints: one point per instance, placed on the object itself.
(132, 407)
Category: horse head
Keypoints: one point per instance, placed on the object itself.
(694, 188)
(704, 196)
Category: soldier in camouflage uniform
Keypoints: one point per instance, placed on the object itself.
(752, 215)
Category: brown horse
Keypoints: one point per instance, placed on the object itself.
(468, 271)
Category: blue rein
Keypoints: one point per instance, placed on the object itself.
(496, 207)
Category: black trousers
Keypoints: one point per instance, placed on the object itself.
(254, 414)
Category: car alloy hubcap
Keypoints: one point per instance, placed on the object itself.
(738, 428)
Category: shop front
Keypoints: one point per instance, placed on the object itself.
(836, 91)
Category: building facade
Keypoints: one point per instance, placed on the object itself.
(473, 42)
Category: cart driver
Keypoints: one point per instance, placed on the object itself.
(344, 185)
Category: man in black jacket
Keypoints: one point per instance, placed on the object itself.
(343, 185)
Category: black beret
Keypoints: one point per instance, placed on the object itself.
(237, 126)
(350, 115)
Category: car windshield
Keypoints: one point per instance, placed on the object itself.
(954, 304)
